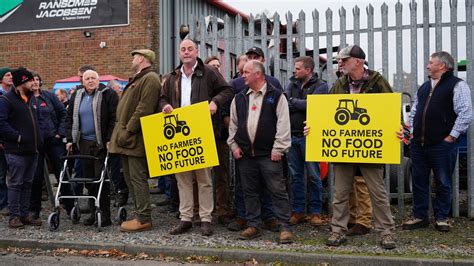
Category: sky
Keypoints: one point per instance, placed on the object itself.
(296, 6)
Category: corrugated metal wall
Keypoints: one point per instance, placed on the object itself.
(173, 14)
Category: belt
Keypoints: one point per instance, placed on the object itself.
(297, 134)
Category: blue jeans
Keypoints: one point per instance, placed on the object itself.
(22, 169)
(441, 158)
(239, 203)
(3, 181)
(296, 161)
(259, 173)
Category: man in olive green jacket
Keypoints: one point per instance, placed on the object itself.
(139, 98)
(357, 79)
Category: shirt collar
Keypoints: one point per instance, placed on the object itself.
(263, 90)
(194, 67)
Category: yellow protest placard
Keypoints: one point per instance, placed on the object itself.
(180, 141)
(358, 128)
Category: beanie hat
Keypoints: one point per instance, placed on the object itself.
(20, 76)
(3, 71)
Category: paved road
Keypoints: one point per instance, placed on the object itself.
(14, 260)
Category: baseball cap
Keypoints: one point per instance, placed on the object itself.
(255, 50)
(351, 51)
(148, 54)
(20, 76)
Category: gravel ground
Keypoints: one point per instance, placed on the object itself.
(458, 243)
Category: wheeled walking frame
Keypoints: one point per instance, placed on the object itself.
(67, 178)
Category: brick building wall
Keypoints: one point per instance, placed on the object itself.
(58, 54)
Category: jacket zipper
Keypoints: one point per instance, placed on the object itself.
(34, 126)
(423, 120)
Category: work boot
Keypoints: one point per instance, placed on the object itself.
(16, 223)
(250, 233)
(271, 225)
(182, 228)
(29, 220)
(315, 220)
(135, 226)
(387, 241)
(336, 239)
(442, 225)
(297, 218)
(358, 230)
(238, 224)
(206, 229)
(286, 237)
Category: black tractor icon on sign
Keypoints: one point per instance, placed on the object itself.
(173, 126)
(348, 110)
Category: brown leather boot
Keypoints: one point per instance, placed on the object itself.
(29, 220)
(237, 225)
(206, 229)
(358, 230)
(271, 225)
(297, 218)
(16, 223)
(135, 226)
(250, 233)
(182, 228)
(286, 237)
(315, 220)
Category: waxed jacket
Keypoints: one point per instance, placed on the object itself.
(139, 98)
(207, 84)
(376, 84)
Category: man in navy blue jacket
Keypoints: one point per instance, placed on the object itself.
(20, 129)
(303, 83)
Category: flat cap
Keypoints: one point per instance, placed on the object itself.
(148, 54)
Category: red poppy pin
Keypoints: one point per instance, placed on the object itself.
(254, 107)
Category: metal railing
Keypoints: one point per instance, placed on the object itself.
(377, 41)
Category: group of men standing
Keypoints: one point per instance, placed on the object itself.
(266, 130)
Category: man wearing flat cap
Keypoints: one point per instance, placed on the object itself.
(20, 125)
(357, 79)
(139, 98)
(6, 82)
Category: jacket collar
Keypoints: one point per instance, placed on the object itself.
(137, 76)
(445, 75)
(16, 92)
(198, 71)
(314, 78)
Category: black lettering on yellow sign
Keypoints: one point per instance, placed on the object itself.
(181, 154)
(352, 143)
